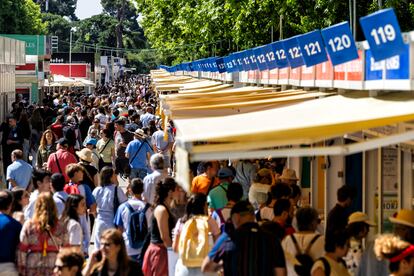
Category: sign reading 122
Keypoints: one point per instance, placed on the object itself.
(339, 43)
(382, 31)
(293, 52)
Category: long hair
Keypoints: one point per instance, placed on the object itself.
(71, 206)
(17, 196)
(43, 141)
(115, 236)
(163, 188)
(106, 175)
(196, 205)
(45, 214)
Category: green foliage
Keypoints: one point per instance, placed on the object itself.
(20, 17)
(60, 7)
(97, 30)
(59, 26)
(143, 61)
(183, 30)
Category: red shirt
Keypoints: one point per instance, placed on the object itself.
(64, 158)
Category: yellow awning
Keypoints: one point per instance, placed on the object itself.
(305, 122)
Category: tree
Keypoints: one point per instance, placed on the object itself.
(60, 7)
(20, 17)
(97, 30)
(59, 26)
(123, 10)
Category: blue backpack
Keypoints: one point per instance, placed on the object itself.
(138, 226)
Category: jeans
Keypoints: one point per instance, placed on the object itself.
(138, 173)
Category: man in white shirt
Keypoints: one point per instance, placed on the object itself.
(163, 146)
(158, 174)
(59, 196)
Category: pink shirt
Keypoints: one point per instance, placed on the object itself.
(64, 158)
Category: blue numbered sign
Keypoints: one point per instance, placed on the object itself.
(252, 59)
(228, 64)
(280, 54)
(382, 31)
(313, 48)
(220, 65)
(260, 58)
(293, 52)
(244, 56)
(340, 43)
(269, 56)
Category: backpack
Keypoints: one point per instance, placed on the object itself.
(305, 260)
(72, 189)
(194, 244)
(138, 226)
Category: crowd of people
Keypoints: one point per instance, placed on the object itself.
(64, 212)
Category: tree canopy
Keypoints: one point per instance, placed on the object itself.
(182, 30)
(20, 17)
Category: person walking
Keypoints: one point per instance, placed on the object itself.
(9, 233)
(108, 197)
(138, 152)
(162, 223)
(58, 161)
(19, 172)
(41, 238)
(46, 148)
(151, 180)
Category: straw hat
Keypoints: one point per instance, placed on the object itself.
(288, 174)
(360, 217)
(85, 155)
(404, 217)
(140, 133)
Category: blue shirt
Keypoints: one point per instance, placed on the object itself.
(146, 118)
(9, 236)
(21, 172)
(140, 160)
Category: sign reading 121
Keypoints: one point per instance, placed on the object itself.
(339, 43)
(313, 48)
(382, 31)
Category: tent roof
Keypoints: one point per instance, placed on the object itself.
(305, 122)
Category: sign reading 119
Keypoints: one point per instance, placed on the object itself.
(383, 34)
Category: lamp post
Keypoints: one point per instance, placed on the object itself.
(73, 29)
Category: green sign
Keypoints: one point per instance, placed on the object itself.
(35, 44)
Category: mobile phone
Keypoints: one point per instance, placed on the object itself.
(99, 256)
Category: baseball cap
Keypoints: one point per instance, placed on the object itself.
(225, 172)
(62, 142)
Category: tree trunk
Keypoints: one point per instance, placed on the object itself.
(119, 26)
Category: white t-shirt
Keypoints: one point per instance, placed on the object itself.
(75, 232)
(316, 251)
(266, 213)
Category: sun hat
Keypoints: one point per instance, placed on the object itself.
(85, 154)
(289, 174)
(404, 217)
(360, 217)
(140, 133)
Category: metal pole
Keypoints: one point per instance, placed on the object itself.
(380, 4)
(281, 27)
(271, 33)
(70, 53)
(350, 15)
(354, 19)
